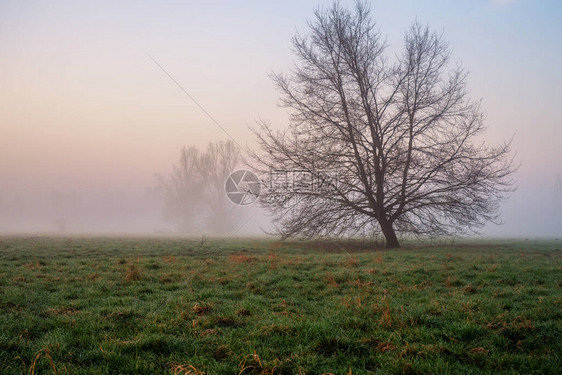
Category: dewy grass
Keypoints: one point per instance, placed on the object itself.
(173, 306)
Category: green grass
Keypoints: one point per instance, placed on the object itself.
(162, 306)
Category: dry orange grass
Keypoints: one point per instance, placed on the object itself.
(386, 317)
(186, 370)
(202, 309)
(133, 273)
(241, 258)
(351, 261)
(273, 261)
(352, 302)
(331, 281)
(45, 353)
(62, 311)
(252, 364)
(169, 259)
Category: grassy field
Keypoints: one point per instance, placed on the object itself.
(165, 306)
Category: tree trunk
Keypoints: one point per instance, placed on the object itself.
(389, 235)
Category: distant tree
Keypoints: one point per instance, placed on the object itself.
(216, 164)
(194, 198)
(182, 190)
(401, 138)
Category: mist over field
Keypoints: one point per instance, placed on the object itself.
(141, 212)
(87, 119)
(105, 212)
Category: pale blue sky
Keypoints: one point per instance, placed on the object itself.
(84, 108)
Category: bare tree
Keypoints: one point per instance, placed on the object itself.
(217, 163)
(182, 189)
(401, 137)
(194, 195)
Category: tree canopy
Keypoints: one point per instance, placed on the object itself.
(399, 133)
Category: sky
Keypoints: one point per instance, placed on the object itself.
(84, 111)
